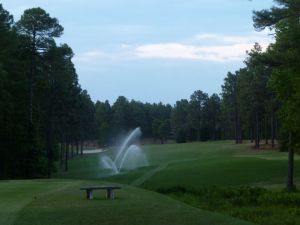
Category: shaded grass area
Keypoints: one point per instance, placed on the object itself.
(221, 171)
(14, 195)
(255, 204)
(60, 202)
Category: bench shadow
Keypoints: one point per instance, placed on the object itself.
(103, 198)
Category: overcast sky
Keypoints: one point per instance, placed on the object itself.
(153, 50)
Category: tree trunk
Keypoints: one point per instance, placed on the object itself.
(214, 136)
(273, 126)
(62, 146)
(49, 138)
(290, 184)
(66, 155)
(236, 128)
(251, 134)
(240, 139)
(199, 133)
(49, 149)
(81, 147)
(77, 147)
(30, 96)
(72, 149)
(31, 77)
(257, 139)
(266, 130)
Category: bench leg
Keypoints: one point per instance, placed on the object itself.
(89, 194)
(110, 194)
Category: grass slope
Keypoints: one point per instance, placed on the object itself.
(213, 176)
(14, 195)
(194, 165)
(60, 202)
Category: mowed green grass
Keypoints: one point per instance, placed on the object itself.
(201, 169)
(60, 202)
(194, 165)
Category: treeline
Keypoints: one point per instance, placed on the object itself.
(116, 120)
(197, 119)
(247, 109)
(249, 101)
(42, 106)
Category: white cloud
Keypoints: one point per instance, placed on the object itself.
(208, 47)
(232, 39)
(204, 47)
(168, 50)
(90, 56)
(180, 51)
(93, 57)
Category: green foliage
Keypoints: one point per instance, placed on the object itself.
(284, 18)
(255, 204)
(180, 136)
(198, 104)
(115, 120)
(41, 102)
(161, 129)
(199, 119)
(39, 27)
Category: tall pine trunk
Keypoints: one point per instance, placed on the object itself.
(236, 128)
(31, 77)
(49, 149)
(257, 138)
(66, 155)
(77, 147)
(273, 127)
(72, 148)
(290, 184)
(266, 131)
(251, 134)
(62, 146)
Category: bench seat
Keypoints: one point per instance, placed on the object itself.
(110, 194)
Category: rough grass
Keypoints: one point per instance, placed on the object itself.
(60, 202)
(255, 204)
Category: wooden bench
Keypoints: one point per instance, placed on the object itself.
(110, 194)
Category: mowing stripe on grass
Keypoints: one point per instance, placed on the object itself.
(15, 195)
(149, 174)
(139, 181)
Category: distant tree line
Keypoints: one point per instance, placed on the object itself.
(197, 119)
(247, 109)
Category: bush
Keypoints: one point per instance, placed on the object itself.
(255, 204)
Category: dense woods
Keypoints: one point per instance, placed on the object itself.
(42, 105)
(45, 115)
